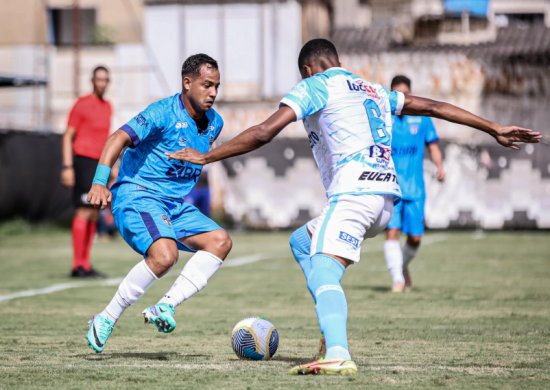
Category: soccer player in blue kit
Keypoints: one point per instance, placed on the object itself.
(147, 199)
(348, 122)
(410, 134)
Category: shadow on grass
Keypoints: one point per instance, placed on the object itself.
(370, 288)
(139, 355)
(293, 360)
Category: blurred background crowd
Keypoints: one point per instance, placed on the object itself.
(491, 57)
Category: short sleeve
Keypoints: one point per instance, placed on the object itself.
(307, 97)
(429, 130)
(397, 101)
(143, 125)
(75, 116)
(219, 127)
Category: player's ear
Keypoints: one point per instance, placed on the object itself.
(186, 83)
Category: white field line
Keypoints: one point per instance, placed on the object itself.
(245, 260)
(59, 287)
(115, 281)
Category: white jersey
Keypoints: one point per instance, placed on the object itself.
(349, 126)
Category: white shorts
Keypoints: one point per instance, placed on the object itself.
(346, 221)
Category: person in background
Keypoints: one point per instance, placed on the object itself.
(87, 131)
(410, 135)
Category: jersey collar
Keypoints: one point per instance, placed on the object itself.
(208, 115)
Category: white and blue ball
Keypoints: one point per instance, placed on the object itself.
(255, 338)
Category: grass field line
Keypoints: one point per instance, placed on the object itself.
(237, 262)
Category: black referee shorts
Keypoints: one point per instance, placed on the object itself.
(84, 172)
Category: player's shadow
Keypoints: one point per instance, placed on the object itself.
(293, 360)
(369, 288)
(140, 355)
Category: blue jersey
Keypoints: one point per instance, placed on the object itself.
(410, 135)
(165, 126)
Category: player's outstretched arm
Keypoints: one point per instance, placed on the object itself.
(249, 140)
(99, 195)
(506, 136)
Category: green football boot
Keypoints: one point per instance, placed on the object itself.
(162, 316)
(99, 332)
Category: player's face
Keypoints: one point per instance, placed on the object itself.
(402, 88)
(100, 81)
(204, 89)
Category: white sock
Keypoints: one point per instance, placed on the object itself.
(337, 352)
(409, 253)
(194, 277)
(134, 285)
(394, 260)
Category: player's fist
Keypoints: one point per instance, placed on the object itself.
(99, 196)
(506, 136)
(188, 154)
(67, 177)
(440, 174)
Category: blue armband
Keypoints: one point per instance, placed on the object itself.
(102, 174)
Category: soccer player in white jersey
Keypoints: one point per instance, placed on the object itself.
(348, 122)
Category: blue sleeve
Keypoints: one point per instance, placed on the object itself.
(429, 130)
(307, 97)
(145, 124)
(397, 100)
(219, 127)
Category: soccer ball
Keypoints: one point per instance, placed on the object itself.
(255, 338)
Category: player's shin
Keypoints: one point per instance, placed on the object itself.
(331, 305)
(194, 277)
(135, 284)
(394, 261)
(300, 244)
(409, 253)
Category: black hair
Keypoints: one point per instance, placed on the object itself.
(400, 79)
(98, 68)
(192, 65)
(317, 48)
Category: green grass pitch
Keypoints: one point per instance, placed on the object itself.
(478, 317)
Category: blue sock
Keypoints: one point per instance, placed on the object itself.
(300, 244)
(331, 305)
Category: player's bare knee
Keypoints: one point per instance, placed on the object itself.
(414, 241)
(222, 244)
(163, 258)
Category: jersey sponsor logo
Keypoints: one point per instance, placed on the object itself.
(183, 172)
(349, 239)
(182, 125)
(140, 119)
(166, 219)
(408, 151)
(378, 176)
(380, 152)
(313, 139)
(359, 85)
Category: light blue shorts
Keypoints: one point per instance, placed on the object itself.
(142, 217)
(408, 216)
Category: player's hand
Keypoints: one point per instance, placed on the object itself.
(67, 177)
(440, 175)
(506, 136)
(99, 196)
(188, 154)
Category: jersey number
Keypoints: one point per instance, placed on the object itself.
(377, 124)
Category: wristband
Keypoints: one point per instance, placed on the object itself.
(102, 174)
